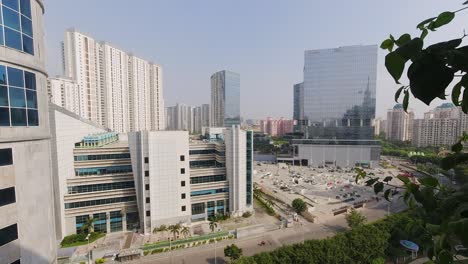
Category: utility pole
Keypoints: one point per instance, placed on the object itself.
(89, 251)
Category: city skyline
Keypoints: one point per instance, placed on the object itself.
(269, 61)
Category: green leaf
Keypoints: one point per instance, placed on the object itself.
(423, 23)
(458, 59)
(392, 38)
(429, 181)
(424, 33)
(444, 46)
(406, 101)
(443, 19)
(460, 228)
(457, 147)
(395, 65)
(464, 103)
(371, 181)
(456, 94)
(404, 179)
(387, 44)
(378, 187)
(445, 257)
(433, 229)
(403, 39)
(429, 77)
(411, 49)
(387, 194)
(398, 92)
(388, 178)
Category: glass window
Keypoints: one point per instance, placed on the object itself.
(31, 99)
(3, 95)
(25, 6)
(15, 77)
(17, 97)
(4, 116)
(3, 79)
(1, 34)
(8, 234)
(18, 117)
(28, 45)
(7, 196)
(26, 26)
(11, 4)
(13, 39)
(6, 157)
(11, 19)
(33, 118)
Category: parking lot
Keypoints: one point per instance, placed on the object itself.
(326, 190)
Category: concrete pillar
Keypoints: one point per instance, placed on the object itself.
(124, 222)
(108, 222)
(206, 212)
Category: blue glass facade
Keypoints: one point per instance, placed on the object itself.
(101, 187)
(103, 170)
(339, 92)
(18, 97)
(225, 99)
(99, 202)
(208, 192)
(16, 29)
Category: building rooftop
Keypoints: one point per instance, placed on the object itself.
(98, 140)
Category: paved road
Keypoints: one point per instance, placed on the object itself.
(273, 239)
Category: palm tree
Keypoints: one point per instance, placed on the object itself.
(174, 229)
(213, 225)
(162, 228)
(88, 225)
(185, 231)
(269, 202)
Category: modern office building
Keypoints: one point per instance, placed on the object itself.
(298, 95)
(179, 180)
(92, 176)
(116, 89)
(225, 99)
(65, 93)
(27, 228)
(399, 124)
(339, 103)
(441, 126)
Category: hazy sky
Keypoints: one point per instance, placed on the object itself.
(262, 40)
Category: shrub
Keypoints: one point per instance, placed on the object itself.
(100, 261)
(299, 205)
(247, 214)
(81, 237)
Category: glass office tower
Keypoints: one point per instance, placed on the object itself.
(339, 92)
(225, 99)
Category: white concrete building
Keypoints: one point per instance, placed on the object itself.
(65, 93)
(399, 124)
(180, 117)
(27, 226)
(380, 126)
(178, 180)
(116, 89)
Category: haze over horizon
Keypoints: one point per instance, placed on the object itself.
(262, 40)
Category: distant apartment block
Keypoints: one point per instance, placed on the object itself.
(27, 226)
(380, 126)
(115, 89)
(64, 92)
(298, 103)
(399, 124)
(277, 127)
(189, 118)
(440, 127)
(225, 99)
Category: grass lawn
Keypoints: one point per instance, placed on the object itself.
(80, 243)
(183, 241)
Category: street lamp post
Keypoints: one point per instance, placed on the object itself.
(170, 248)
(89, 251)
(215, 261)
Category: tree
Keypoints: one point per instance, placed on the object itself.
(185, 231)
(88, 225)
(299, 205)
(355, 219)
(174, 229)
(233, 252)
(213, 225)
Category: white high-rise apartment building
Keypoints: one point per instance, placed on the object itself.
(380, 125)
(399, 124)
(116, 89)
(27, 227)
(180, 117)
(65, 93)
(440, 127)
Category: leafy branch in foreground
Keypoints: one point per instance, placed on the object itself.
(433, 68)
(443, 210)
